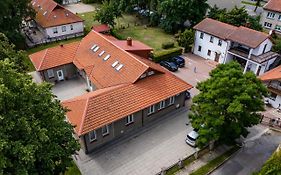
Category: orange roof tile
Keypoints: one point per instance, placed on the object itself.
(103, 74)
(101, 28)
(100, 106)
(55, 56)
(274, 74)
(273, 5)
(49, 14)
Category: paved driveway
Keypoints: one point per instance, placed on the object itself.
(203, 67)
(228, 4)
(154, 147)
(70, 88)
(80, 8)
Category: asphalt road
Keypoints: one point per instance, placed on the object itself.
(252, 156)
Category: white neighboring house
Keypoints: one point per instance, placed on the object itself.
(54, 21)
(271, 16)
(272, 79)
(223, 43)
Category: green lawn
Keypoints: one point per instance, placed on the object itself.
(88, 20)
(73, 170)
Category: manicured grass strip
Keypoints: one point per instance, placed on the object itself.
(45, 46)
(73, 170)
(176, 168)
(215, 162)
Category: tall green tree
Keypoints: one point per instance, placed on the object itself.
(7, 51)
(59, 1)
(12, 13)
(34, 136)
(108, 12)
(228, 102)
(186, 39)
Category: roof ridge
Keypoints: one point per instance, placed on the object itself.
(83, 117)
(43, 59)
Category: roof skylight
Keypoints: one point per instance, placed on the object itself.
(96, 49)
(102, 52)
(93, 47)
(119, 67)
(44, 13)
(106, 57)
(115, 63)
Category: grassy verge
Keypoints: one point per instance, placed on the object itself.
(89, 20)
(73, 170)
(215, 162)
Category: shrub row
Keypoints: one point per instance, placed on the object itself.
(168, 45)
(165, 54)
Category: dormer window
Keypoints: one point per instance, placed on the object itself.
(118, 68)
(106, 57)
(115, 63)
(102, 52)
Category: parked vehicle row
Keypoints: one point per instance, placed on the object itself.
(173, 63)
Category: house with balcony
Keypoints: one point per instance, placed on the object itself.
(126, 90)
(272, 79)
(52, 22)
(271, 16)
(223, 43)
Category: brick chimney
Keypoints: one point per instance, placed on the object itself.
(61, 45)
(129, 41)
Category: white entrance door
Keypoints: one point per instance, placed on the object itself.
(60, 75)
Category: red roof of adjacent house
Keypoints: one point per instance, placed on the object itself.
(136, 45)
(273, 5)
(242, 35)
(49, 14)
(55, 56)
(274, 74)
(98, 108)
(216, 28)
(101, 28)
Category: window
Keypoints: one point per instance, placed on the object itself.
(119, 67)
(63, 28)
(162, 105)
(44, 14)
(130, 119)
(219, 42)
(114, 64)
(93, 47)
(102, 52)
(71, 27)
(55, 30)
(270, 15)
(151, 109)
(209, 53)
(201, 35)
(96, 49)
(199, 48)
(211, 39)
(106, 57)
(267, 25)
(92, 136)
(279, 18)
(171, 100)
(50, 73)
(278, 28)
(105, 130)
(272, 96)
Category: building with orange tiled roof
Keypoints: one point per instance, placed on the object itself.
(223, 43)
(56, 22)
(271, 16)
(272, 80)
(127, 90)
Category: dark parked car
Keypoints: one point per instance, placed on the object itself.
(171, 66)
(187, 95)
(178, 60)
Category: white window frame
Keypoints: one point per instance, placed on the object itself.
(161, 105)
(129, 119)
(270, 15)
(151, 109)
(199, 48)
(172, 100)
(211, 39)
(202, 35)
(103, 129)
(90, 135)
(278, 28)
(55, 30)
(50, 73)
(267, 25)
(63, 28)
(209, 52)
(71, 27)
(220, 42)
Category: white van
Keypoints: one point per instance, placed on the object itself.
(191, 138)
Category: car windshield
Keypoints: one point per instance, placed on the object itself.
(190, 138)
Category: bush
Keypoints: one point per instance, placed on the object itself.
(166, 54)
(88, 1)
(168, 45)
(186, 39)
(116, 35)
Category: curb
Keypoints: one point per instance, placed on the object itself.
(275, 129)
(233, 154)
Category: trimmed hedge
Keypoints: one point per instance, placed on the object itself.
(166, 54)
(168, 45)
